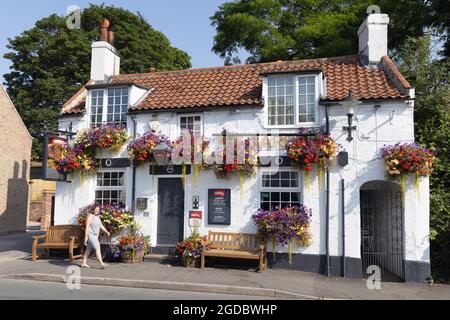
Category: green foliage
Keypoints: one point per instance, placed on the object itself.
(432, 116)
(51, 62)
(271, 30)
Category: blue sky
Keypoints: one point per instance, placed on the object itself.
(185, 22)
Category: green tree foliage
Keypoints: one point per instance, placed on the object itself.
(51, 62)
(432, 117)
(271, 30)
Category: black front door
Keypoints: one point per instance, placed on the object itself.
(170, 211)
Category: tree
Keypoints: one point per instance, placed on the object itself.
(271, 30)
(51, 62)
(432, 115)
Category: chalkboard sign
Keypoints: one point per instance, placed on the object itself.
(219, 206)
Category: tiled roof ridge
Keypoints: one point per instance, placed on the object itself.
(77, 94)
(392, 70)
(349, 58)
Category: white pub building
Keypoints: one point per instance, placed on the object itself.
(359, 218)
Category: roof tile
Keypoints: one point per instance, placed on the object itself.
(242, 85)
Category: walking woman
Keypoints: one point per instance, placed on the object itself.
(93, 227)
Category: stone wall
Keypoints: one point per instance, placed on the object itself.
(15, 151)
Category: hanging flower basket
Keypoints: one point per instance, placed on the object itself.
(114, 217)
(285, 226)
(317, 150)
(306, 151)
(405, 159)
(80, 156)
(111, 137)
(245, 167)
(192, 153)
(67, 159)
(408, 158)
(141, 149)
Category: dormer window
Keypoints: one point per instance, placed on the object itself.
(292, 100)
(109, 106)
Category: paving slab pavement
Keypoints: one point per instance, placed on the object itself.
(288, 281)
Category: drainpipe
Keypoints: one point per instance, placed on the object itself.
(133, 188)
(343, 227)
(327, 234)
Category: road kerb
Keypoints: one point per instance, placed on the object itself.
(161, 285)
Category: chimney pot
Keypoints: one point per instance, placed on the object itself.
(104, 27)
(105, 60)
(111, 35)
(151, 70)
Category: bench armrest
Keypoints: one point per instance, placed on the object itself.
(39, 237)
(206, 243)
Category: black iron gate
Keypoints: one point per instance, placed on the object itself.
(382, 233)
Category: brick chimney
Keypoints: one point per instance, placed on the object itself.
(105, 60)
(373, 38)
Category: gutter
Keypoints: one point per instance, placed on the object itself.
(133, 187)
(344, 271)
(327, 235)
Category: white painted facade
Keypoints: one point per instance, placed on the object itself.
(392, 122)
(378, 123)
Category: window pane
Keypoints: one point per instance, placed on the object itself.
(311, 80)
(302, 90)
(275, 196)
(285, 196)
(265, 196)
(295, 197)
(302, 118)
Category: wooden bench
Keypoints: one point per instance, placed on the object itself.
(235, 246)
(68, 237)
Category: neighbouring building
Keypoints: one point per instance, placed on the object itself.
(15, 156)
(42, 198)
(358, 221)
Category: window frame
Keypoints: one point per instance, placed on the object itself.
(190, 115)
(105, 112)
(296, 77)
(122, 188)
(298, 189)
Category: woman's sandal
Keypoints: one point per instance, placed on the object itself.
(104, 266)
(85, 266)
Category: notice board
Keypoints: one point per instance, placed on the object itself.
(219, 206)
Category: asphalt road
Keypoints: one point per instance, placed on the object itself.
(32, 290)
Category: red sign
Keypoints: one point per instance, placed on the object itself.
(195, 214)
(219, 193)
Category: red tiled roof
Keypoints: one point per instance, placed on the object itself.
(77, 103)
(242, 85)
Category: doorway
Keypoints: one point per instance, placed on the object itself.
(382, 229)
(170, 212)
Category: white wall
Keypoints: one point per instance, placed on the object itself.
(392, 122)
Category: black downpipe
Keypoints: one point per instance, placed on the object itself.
(344, 271)
(327, 233)
(133, 188)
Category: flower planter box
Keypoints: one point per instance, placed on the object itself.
(194, 264)
(129, 257)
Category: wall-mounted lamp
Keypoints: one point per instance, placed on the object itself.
(350, 105)
(162, 154)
